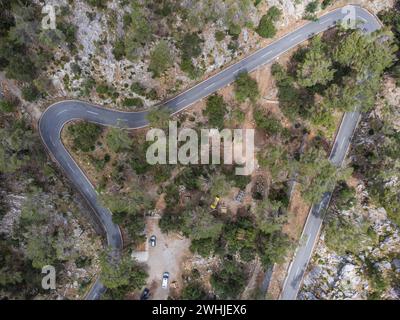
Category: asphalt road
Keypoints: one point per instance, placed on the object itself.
(58, 114)
(315, 218)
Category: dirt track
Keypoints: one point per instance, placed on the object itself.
(167, 255)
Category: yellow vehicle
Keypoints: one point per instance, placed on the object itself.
(215, 203)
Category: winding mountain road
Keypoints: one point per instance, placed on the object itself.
(58, 114)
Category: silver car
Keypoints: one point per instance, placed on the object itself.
(153, 240)
(165, 280)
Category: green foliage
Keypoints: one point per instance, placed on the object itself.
(84, 135)
(160, 59)
(366, 54)
(9, 274)
(100, 163)
(119, 49)
(44, 245)
(138, 30)
(229, 281)
(193, 291)
(273, 247)
(161, 173)
(30, 93)
(7, 105)
(150, 94)
(118, 140)
(266, 27)
(344, 236)
(171, 221)
(16, 143)
(275, 159)
(98, 3)
(22, 55)
(199, 223)
(215, 111)
(246, 88)
(344, 196)
(121, 276)
(325, 4)
(219, 35)
(267, 122)
(220, 186)
(241, 238)
(138, 161)
(191, 46)
(379, 165)
(87, 86)
(317, 67)
(158, 117)
(342, 71)
(318, 175)
(241, 182)
(378, 283)
(311, 9)
(188, 67)
(128, 210)
(268, 215)
(189, 177)
(133, 102)
(40, 251)
(234, 30)
(290, 97)
(104, 90)
(204, 247)
(69, 32)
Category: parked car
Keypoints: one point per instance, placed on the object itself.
(215, 203)
(145, 294)
(153, 240)
(165, 280)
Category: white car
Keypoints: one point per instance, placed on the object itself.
(153, 241)
(165, 280)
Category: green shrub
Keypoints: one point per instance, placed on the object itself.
(234, 30)
(160, 59)
(215, 111)
(266, 27)
(219, 35)
(229, 281)
(7, 106)
(30, 93)
(325, 4)
(104, 90)
(132, 102)
(267, 122)
(150, 94)
(246, 88)
(119, 49)
(98, 3)
(84, 135)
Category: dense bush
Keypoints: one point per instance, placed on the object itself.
(266, 27)
(229, 281)
(84, 135)
(30, 93)
(246, 88)
(160, 59)
(215, 111)
(7, 106)
(132, 102)
(267, 122)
